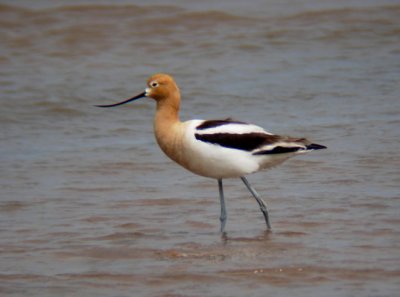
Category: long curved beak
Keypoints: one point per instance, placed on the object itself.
(141, 95)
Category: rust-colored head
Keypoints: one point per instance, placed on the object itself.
(162, 86)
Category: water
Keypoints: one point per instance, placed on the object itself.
(89, 206)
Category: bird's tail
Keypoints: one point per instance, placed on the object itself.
(315, 146)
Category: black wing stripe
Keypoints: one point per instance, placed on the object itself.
(279, 150)
(216, 123)
(245, 142)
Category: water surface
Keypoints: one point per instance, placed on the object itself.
(89, 206)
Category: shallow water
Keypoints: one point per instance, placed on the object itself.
(89, 206)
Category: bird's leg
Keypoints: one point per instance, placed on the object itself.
(223, 216)
(263, 205)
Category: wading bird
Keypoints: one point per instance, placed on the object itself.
(216, 148)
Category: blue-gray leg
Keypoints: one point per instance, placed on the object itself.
(223, 216)
(261, 203)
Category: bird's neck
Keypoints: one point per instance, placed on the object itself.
(167, 114)
(168, 128)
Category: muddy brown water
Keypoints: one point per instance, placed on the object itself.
(89, 206)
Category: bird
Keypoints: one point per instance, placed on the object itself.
(218, 148)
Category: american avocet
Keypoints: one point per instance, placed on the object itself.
(216, 148)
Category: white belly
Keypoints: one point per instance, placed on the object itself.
(218, 162)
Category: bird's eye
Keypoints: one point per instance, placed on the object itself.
(154, 84)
